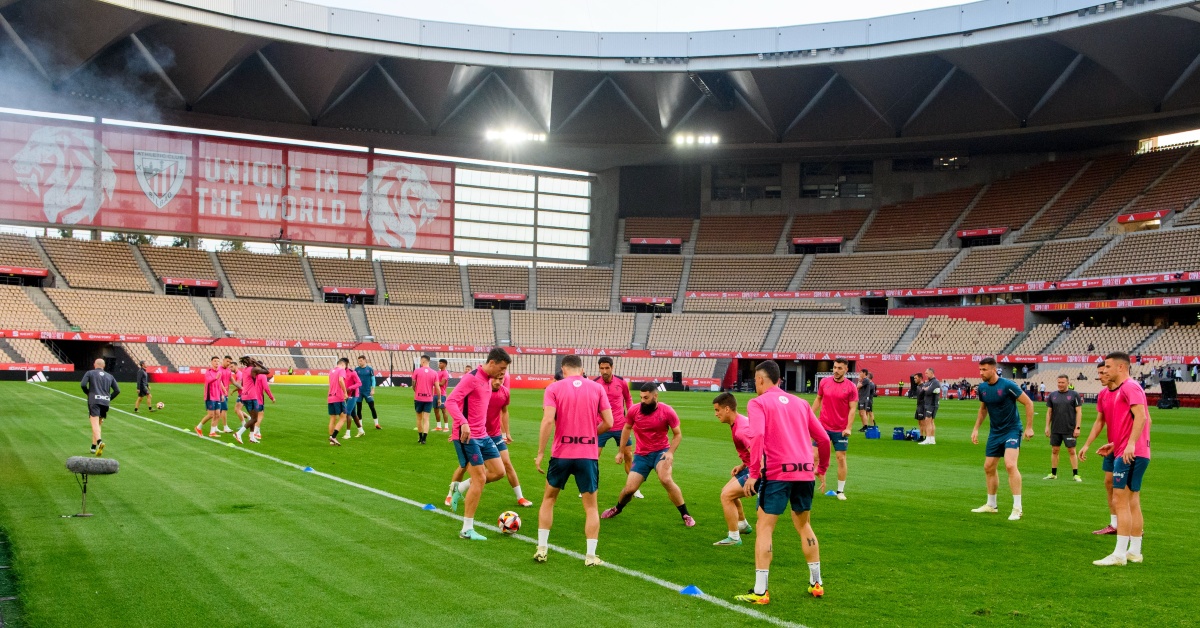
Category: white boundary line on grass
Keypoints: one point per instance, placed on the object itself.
(666, 584)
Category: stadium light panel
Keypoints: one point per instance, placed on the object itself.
(46, 114)
(513, 136)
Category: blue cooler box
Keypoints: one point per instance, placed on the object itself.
(897, 433)
(872, 432)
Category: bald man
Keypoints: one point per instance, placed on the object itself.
(101, 388)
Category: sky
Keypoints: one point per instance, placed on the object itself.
(640, 15)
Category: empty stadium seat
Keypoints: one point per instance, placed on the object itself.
(942, 334)
(713, 332)
(339, 273)
(1145, 169)
(1099, 174)
(650, 275)
(1013, 201)
(739, 234)
(986, 265)
(736, 274)
(591, 330)
(498, 279)
(844, 223)
(733, 305)
(1176, 192)
(1055, 260)
(428, 325)
(17, 311)
(561, 288)
(177, 261)
(875, 271)
(1038, 339)
(918, 223)
(34, 351)
(859, 334)
(252, 275)
(662, 369)
(420, 283)
(198, 356)
(1176, 340)
(1103, 340)
(16, 250)
(1150, 252)
(285, 321)
(99, 265)
(129, 312)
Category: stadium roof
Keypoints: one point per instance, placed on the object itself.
(989, 76)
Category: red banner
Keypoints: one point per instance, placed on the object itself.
(1143, 216)
(498, 296)
(1115, 304)
(200, 283)
(975, 233)
(49, 368)
(351, 291)
(655, 241)
(650, 300)
(22, 270)
(831, 240)
(114, 178)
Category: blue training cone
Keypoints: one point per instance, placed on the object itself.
(691, 589)
(308, 469)
(831, 493)
(428, 507)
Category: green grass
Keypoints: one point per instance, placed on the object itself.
(194, 533)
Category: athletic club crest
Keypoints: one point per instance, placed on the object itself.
(397, 200)
(159, 174)
(68, 170)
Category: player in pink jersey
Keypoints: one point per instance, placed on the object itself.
(1106, 461)
(468, 407)
(575, 411)
(1128, 420)
(214, 391)
(651, 421)
(836, 398)
(621, 403)
(425, 383)
(254, 380)
(497, 429)
(227, 381)
(336, 400)
(782, 429)
(353, 384)
(725, 408)
(439, 400)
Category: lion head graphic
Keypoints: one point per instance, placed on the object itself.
(59, 165)
(397, 200)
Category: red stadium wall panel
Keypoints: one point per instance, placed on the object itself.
(22, 270)
(120, 179)
(888, 373)
(1143, 216)
(1117, 304)
(1007, 316)
(351, 291)
(180, 281)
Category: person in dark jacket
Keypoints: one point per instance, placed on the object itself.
(101, 388)
(143, 387)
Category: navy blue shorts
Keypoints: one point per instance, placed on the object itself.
(840, 441)
(351, 405)
(337, 407)
(223, 406)
(743, 477)
(997, 443)
(423, 407)
(475, 451)
(612, 435)
(369, 398)
(1106, 464)
(499, 442)
(585, 470)
(212, 406)
(439, 402)
(775, 495)
(253, 405)
(1126, 475)
(643, 465)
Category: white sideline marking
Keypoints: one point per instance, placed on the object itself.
(750, 612)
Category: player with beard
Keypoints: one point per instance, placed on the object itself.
(836, 397)
(621, 402)
(998, 399)
(1064, 418)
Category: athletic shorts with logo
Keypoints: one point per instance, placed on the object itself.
(585, 471)
(212, 406)
(1129, 475)
(439, 402)
(337, 407)
(475, 451)
(1058, 440)
(498, 440)
(643, 465)
(997, 442)
(613, 435)
(840, 441)
(743, 477)
(1106, 465)
(775, 495)
(423, 407)
(95, 409)
(252, 405)
(866, 406)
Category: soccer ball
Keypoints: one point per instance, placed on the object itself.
(509, 522)
(161, 405)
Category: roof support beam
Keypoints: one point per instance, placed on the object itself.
(349, 90)
(629, 102)
(591, 95)
(1056, 85)
(933, 93)
(158, 69)
(754, 112)
(25, 51)
(399, 92)
(1183, 78)
(812, 102)
(287, 89)
(870, 106)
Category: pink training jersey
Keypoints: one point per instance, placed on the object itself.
(650, 430)
(496, 405)
(249, 384)
(353, 383)
(262, 386)
(469, 403)
(782, 430)
(619, 399)
(336, 377)
(1120, 417)
(741, 438)
(577, 404)
(836, 400)
(226, 378)
(1103, 403)
(443, 378)
(213, 391)
(423, 379)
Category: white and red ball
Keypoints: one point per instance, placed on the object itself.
(509, 522)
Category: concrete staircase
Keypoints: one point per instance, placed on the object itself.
(317, 296)
(380, 283)
(1104, 228)
(909, 335)
(298, 358)
(778, 320)
(720, 368)
(1012, 236)
(945, 272)
(160, 356)
(468, 300)
(784, 245)
(7, 349)
(641, 329)
(849, 246)
(801, 271)
(1148, 341)
(226, 286)
(208, 314)
(1075, 274)
(1062, 335)
(689, 247)
(48, 308)
(59, 282)
(155, 283)
(358, 321)
(1016, 341)
(622, 241)
(677, 306)
(531, 298)
(614, 296)
(948, 237)
(502, 327)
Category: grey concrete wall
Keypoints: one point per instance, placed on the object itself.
(606, 192)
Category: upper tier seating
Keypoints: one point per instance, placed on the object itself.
(574, 288)
(661, 369)
(1176, 340)
(525, 364)
(129, 313)
(252, 275)
(1099, 174)
(739, 235)
(412, 283)
(733, 305)
(140, 352)
(498, 279)
(987, 265)
(17, 311)
(1055, 260)
(199, 356)
(33, 351)
(178, 262)
(875, 271)
(736, 274)
(858, 334)
(713, 332)
(285, 321)
(1013, 201)
(1103, 340)
(942, 334)
(1150, 252)
(343, 273)
(650, 275)
(674, 228)
(1176, 192)
(435, 326)
(845, 223)
(16, 250)
(592, 330)
(101, 265)
(1038, 339)
(1145, 169)
(918, 223)
(1048, 374)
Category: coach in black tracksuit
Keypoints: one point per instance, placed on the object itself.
(101, 388)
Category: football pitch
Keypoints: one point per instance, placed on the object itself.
(193, 531)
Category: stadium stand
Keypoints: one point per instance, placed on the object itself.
(198, 356)
(650, 275)
(662, 368)
(33, 351)
(942, 334)
(284, 321)
(845, 223)
(1098, 176)
(139, 313)
(99, 265)
(1055, 260)
(739, 234)
(1102, 340)
(572, 329)
(424, 325)
(735, 274)
(178, 262)
(1013, 201)
(875, 271)
(18, 312)
(1178, 190)
(1145, 169)
(533, 365)
(562, 288)
(347, 273)
(1176, 340)
(916, 224)
(865, 334)
(713, 332)
(1150, 252)
(760, 305)
(1048, 374)
(419, 283)
(140, 351)
(987, 265)
(1038, 339)
(17, 250)
(500, 279)
(674, 228)
(252, 275)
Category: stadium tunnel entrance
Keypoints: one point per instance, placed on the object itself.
(83, 353)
